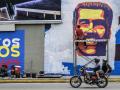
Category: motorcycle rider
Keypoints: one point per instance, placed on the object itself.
(106, 67)
(97, 67)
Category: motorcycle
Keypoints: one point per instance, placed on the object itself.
(89, 78)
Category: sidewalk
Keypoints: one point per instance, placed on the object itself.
(114, 78)
(45, 80)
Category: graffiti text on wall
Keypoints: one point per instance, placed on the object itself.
(12, 48)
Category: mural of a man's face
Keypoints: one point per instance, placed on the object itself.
(94, 26)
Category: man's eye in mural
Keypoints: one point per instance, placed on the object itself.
(88, 28)
(100, 30)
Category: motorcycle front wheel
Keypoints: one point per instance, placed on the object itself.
(103, 82)
(75, 81)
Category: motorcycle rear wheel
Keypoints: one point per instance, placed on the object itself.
(103, 82)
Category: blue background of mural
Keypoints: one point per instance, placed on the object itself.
(116, 71)
(118, 37)
(10, 60)
(117, 61)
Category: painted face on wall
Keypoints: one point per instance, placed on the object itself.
(94, 25)
(88, 23)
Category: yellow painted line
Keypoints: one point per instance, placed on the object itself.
(34, 81)
(114, 79)
(45, 80)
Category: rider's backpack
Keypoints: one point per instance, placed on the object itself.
(109, 68)
(106, 68)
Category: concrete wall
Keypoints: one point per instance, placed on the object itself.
(34, 47)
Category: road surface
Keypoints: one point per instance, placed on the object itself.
(54, 86)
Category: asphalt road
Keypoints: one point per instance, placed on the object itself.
(54, 86)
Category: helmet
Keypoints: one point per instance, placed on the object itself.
(97, 60)
(105, 61)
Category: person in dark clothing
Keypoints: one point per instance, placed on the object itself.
(106, 67)
(13, 71)
(6, 70)
(3, 70)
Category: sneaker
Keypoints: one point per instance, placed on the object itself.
(90, 82)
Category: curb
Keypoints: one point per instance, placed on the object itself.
(45, 80)
(114, 79)
(34, 81)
